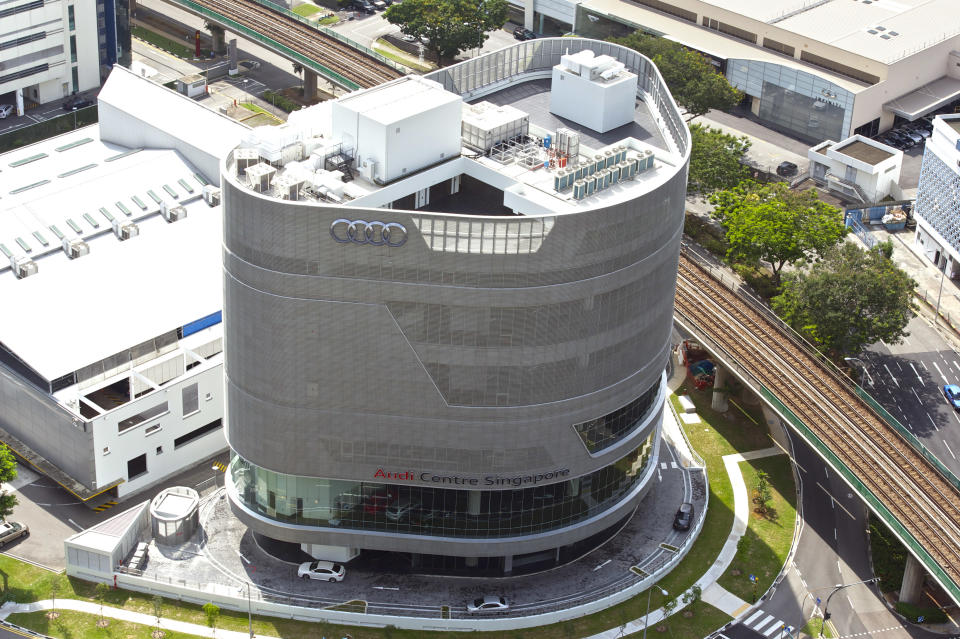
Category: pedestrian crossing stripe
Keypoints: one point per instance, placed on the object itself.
(102, 507)
(220, 466)
(761, 624)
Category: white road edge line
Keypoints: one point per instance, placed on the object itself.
(892, 377)
(79, 527)
(933, 422)
(948, 449)
(919, 379)
(942, 376)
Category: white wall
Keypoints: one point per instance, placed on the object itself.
(135, 441)
(600, 106)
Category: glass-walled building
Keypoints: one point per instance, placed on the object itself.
(447, 319)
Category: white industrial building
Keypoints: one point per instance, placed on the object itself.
(818, 70)
(938, 197)
(858, 168)
(49, 50)
(110, 343)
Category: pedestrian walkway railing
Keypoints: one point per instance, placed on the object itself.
(334, 34)
(304, 61)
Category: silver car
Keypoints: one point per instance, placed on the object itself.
(5, 111)
(11, 530)
(488, 603)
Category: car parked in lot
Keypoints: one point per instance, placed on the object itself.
(520, 33)
(786, 169)
(11, 530)
(77, 102)
(684, 516)
(488, 603)
(379, 5)
(322, 570)
(952, 393)
(363, 6)
(5, 110)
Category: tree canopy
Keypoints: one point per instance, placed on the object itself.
(451, 26)
(849, 300)
(772, 223)
(8, 472)
(715, 160)
(694, 82)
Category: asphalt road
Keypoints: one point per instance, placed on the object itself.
(833, 549)
(907, 379)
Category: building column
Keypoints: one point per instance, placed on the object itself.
(234, 61)
(18, 98)
(508, 564)
(528, 14)
(471, 562)
(913, 576)
(755, 106)
(309, 84)
(473, 503)
(718, 402)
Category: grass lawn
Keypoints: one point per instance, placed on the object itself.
(768, 538)
(72, 625)
(715, 437)
(165, 43)
(329, 20)
(262, 117)
(387, 50)
(306, 10)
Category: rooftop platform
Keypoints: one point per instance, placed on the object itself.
(534, 98)
(864, 152)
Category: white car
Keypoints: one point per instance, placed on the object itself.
(489, 603)
(5, 110)
(322, 570)
(10, 530)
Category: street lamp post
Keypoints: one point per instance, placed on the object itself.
(249, 612)
(863, 369)
(936, 313)
(836, 589)
(646, 617)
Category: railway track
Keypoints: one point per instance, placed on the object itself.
(316, 45)
(907, 484)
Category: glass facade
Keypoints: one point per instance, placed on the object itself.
(444, 512)
(939, 196)
(607, 430)
(801, 103)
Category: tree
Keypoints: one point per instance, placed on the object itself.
(212, 612)
(450, 26)
(298, 71)
(157, 603)
(772, 223)
(763, 494)
(715, 160)
(849, 300)
(100, 591)
(8, 472)
(693, 81)
(668, 609)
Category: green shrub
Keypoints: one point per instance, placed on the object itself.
(280, 101)
(913, 613)
(889, 556)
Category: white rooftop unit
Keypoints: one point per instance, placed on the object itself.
(398, 128)
(593, 90)
(260, 176)
(486, 124)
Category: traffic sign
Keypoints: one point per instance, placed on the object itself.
(753, 578)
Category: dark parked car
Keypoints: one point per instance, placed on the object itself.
(77, 102)
(786, 169)
(524, 34)
(364, 6)
(684, 516)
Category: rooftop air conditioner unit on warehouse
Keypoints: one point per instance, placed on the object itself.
(75, 248)
(125, 230)
(23, 267)
(172, 213)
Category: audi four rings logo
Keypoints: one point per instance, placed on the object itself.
(374, 233)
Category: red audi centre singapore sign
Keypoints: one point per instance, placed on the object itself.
(459, 480)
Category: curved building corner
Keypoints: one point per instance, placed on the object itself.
(448, 303)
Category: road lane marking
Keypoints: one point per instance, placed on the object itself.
(79, 527)
(891, 376)
(835, 501)
(753, 617)
(917, 396)
(948, 449)
(924, 364)
(919, 379)
(933, 422)
(942, 376)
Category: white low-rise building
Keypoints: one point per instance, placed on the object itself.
(938, 197)
(858, 168)
(111, 343)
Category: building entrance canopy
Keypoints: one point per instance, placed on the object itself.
(927, 98)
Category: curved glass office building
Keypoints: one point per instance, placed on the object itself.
(448, 304)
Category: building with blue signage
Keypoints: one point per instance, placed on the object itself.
(448, 304)
(938, 197)
(111, 341)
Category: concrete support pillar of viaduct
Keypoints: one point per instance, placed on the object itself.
(309, 84)
(234, 58)
(913, 576)
(219, 36)
(720, 380)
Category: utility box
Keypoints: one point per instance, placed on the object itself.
(596, 91)
(192, 86)
(398, 128)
